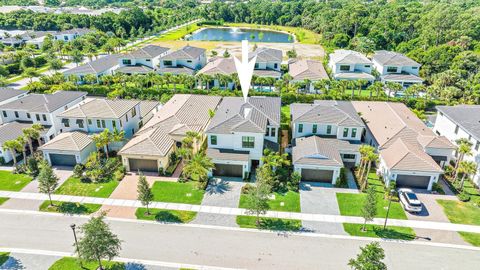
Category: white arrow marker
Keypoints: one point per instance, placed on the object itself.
(245, 69)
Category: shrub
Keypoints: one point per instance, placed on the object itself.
(294, 183)
(20, 169)
(118, 175)
(342, 179)
(32, 166)
(78, 170)
(161, 171)
(247, 188)
(463, 196)
(2, 161)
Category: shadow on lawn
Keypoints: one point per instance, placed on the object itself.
(166, 216)
(278, 225)
(392, 234)
(70, 208)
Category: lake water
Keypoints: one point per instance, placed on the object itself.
(239, 34)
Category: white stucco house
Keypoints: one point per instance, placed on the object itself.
(68, 149)
(11, 131)
(461, 122)
(350, 65)
(186, 60)
(71, 34)
(99, 67)
(410, 153)
(267, 64)
(141, 61)
(10, 94)
(240, 131)
(306, 70)
(326, 137)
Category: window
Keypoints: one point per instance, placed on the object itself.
(167, 63)
(267, 132)
(103, 124)
(16, 114)
(300, 128)
(189, 61)
(213, 139)
(140, 124)
(66, 122)
(273, 132)
(148, 60)
(114, 124)
(456, 129)
(28, 115)
(344, 67)
(126, 61)
(38, 117)
(248, 142)
(477, 145)
(314, 129)
(345, 132)
(126, 117)
(349, 156)
(414, 67)
(367, 66)
(257, 65)
(89, 121)
(121, 125)
(392, 69)
(134, 112)
(98, 124)
(80, 123)
(275, 66)
(329, 129)
(65, 38)
(354, 132)
(44, 117)
(4, 113)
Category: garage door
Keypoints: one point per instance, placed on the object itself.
(143, 165)
(62, 160)
(228, 170)
(414, 181)
(317, 175)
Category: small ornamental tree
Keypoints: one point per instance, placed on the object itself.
(98, 241)
(257, 197)
(369, 209)
(370, 258)
(145, 195)
(47, 180)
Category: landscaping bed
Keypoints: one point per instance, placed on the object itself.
(275, 224)
(70, 263)
(286, 202)
(13, 182)
(177, 192)
(163, 215)
(75, 186)
(392, 232)
(70, 208)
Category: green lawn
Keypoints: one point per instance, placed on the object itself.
(74, 186)
(178, 33)
(461, 212)
(177, 192)
(351, 204)
(392, 232)
(473, 191)
(69, 208)
(364, 93)
(275, 224)
(303, 35)
(173, 216)
(290, 200)
(472, 238)
(2, 200)
(4, 257)
(285, 117)
(13, 182)
(69, 263)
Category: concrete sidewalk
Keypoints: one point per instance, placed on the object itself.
(239, 211)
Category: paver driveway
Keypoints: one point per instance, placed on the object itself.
(316, 198)
(224, 192)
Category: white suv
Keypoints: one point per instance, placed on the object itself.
(409, 200)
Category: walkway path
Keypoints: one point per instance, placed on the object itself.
(221, 192)
(239, 211)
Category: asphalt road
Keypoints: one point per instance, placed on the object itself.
(226, 248)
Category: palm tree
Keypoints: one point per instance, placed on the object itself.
(198, 167)
(466, 168)
(22, 143)
(102, 140)
(393, 86)
(117, 136)
(361, 83)
(28, 134)
(12, 146)
(201, 79)
(30, 73)
(370, 158)
(464, 149)
(36, 135)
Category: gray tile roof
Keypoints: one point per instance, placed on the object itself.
(307, 70)
(267, 73)
(326, 111)
(77, 31)
(402, 78)
(318, 151)
(134, 69)
(348, 57)
(227, 154)
(233, 115)
(354, 76)
(187, 52)
(11, 131)
(176, 70)
(8, 93)
(146, 106)
(100, 108)
(225, 66)
(74, 141)
(180, 114)
(466, 116)
(43, 103)
(265, 54)
(96, 66)
(149, 51)
(388, 58)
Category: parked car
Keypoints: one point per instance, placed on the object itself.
(409, 200)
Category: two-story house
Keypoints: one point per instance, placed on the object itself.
(396, 67)
(410, 153)
(42, 109)
(326, 137)
(267, 64)
(461, 122)
(186, 60)
(240, 131)
(10, 94)
(141, 61)
(71, 34)
(220, 66)
(350, 65)
(99, 67)
(307, 71)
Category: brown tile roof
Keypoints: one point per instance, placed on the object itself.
(307, 69)
(327, 112)
(318, 151)
(68, 141)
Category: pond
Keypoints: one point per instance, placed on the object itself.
(239, 34)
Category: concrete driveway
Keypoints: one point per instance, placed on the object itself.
(315, 198)
(17, 261)
(225, 192)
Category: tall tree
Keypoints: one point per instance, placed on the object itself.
(466, 168)
(145, 194)
(12, 146)
(47, 180)
(370, 258)
(369, 209)
(198, 167)
(257, 198)
(464, 149)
